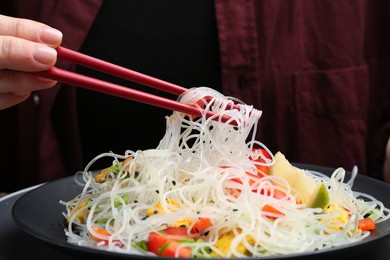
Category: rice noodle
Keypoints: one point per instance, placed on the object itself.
(188, 167)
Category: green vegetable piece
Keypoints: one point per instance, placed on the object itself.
(162, 249)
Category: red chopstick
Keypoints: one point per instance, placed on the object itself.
(118, 71)
(94, 84)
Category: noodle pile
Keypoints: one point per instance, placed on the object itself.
(203, 169)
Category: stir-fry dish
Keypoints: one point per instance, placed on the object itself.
(209, 189)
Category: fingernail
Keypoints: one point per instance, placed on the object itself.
(51, 36)
(44, 54)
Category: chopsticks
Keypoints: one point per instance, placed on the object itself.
(118, 71)
(94, 84)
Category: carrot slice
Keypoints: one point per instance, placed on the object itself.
(366, 224)
(271, 212)
(200, 225)
(103, 232)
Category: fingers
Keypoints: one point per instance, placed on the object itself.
(30, 30)
(8, 99)
(19, 82)
(15, 87)
(23, 55)
(25, 46)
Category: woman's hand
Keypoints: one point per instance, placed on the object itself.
(25, 45)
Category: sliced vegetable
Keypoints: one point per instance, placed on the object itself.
(271, 212)
(224, 242)
(80, 215)
(312, 192)
(251, 180)
(142, 245)
(101, 176)
(200, 225)
(163, 246)
(366, 224)
(263, 169)
(158, 208)
(103, 232)
(277, 194)
(176, 231)
(183, 222)
(340, 219)
(267, 210)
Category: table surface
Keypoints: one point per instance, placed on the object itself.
(16, 244)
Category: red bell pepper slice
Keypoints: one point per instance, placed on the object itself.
(277, 194)
(262, 169)
(176, 231)
(163, 246)
(199, 226)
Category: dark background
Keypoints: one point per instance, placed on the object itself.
(179, 47)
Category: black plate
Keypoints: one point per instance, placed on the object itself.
(39, 213)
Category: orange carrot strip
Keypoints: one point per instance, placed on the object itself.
(366, 224)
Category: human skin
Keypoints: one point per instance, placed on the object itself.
(25, 46)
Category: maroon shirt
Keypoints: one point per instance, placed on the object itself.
(317, 69)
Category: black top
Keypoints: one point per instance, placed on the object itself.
(172, 40)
